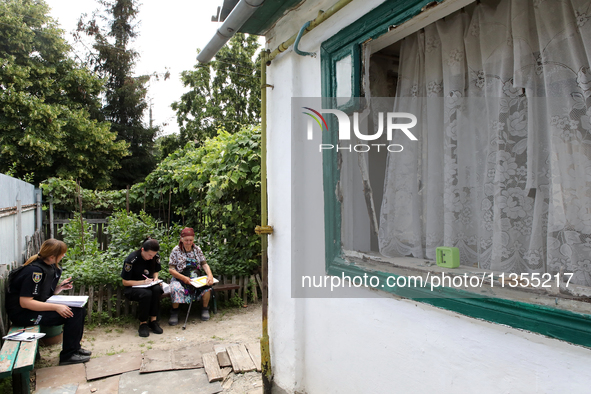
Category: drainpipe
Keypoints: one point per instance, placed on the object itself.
(239, 15)
(322, 16)
(264, 230)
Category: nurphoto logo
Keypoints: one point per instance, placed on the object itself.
(345, 130)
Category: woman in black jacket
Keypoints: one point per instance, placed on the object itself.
(31, 285)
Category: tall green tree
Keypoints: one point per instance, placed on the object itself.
(224, 94)
(49, 104)
(125, 94)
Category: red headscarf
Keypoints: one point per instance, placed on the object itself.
(186, 232)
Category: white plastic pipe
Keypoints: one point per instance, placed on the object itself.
(239, 15)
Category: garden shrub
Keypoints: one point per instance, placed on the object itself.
(126, 232)
(214, 188)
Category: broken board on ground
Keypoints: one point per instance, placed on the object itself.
(222, 355)
(212, 368)
(102, 367)
(254, 350)
(168, 360)
(65, 375)
(241, 361)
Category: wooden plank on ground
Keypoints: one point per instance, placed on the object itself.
(26, 354)
(226, 371)
(68, 388)
(212, 368)
(156, 360)
(241, 361)
(206, 347)
(102, 367)
(187, 358)
(254, 351)
(222, 355)
(53, 377)
(108, 385)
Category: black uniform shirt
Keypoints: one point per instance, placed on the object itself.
(135, 267)
(28, 283)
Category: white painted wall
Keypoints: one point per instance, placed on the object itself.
(373, 345)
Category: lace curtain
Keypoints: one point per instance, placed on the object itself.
(502, 165)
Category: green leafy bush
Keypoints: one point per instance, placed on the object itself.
(83, 260)
(214, 188)
(126, 232)
(218, 185)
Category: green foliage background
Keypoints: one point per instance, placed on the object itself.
(224, 94)
(91, 266)
(49, 105)
(215, 188)
(217, 191)
(125, 94)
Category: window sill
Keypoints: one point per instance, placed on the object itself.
(559, 312)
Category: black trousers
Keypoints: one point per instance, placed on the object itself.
(73, 326)
(148, 298)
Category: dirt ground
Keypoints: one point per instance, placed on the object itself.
(229, 325)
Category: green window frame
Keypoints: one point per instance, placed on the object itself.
(552, 322)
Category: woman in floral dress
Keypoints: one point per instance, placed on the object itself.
(187, 262)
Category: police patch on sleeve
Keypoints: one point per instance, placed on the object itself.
(37, 277)
(127, 267)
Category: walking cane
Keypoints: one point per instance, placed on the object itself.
(187, 317)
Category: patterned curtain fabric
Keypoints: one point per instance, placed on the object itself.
(502, 165)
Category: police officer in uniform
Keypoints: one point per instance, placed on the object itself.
(141, 268)
(31, 285)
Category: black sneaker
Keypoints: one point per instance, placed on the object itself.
(84, 352)
(75, 359)
(144, 330)
(156, 329)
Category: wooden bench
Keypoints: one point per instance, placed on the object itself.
(18, 359)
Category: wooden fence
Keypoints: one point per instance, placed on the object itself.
(104, 301)
(53, 224)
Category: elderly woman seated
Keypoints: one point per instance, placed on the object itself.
(187, 262)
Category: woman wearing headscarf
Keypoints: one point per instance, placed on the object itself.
(187, 262)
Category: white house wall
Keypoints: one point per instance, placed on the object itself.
(373, 345)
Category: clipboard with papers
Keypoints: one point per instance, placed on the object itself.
(156, 282)
(24, 336)
(69, 300)
(201, 281)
